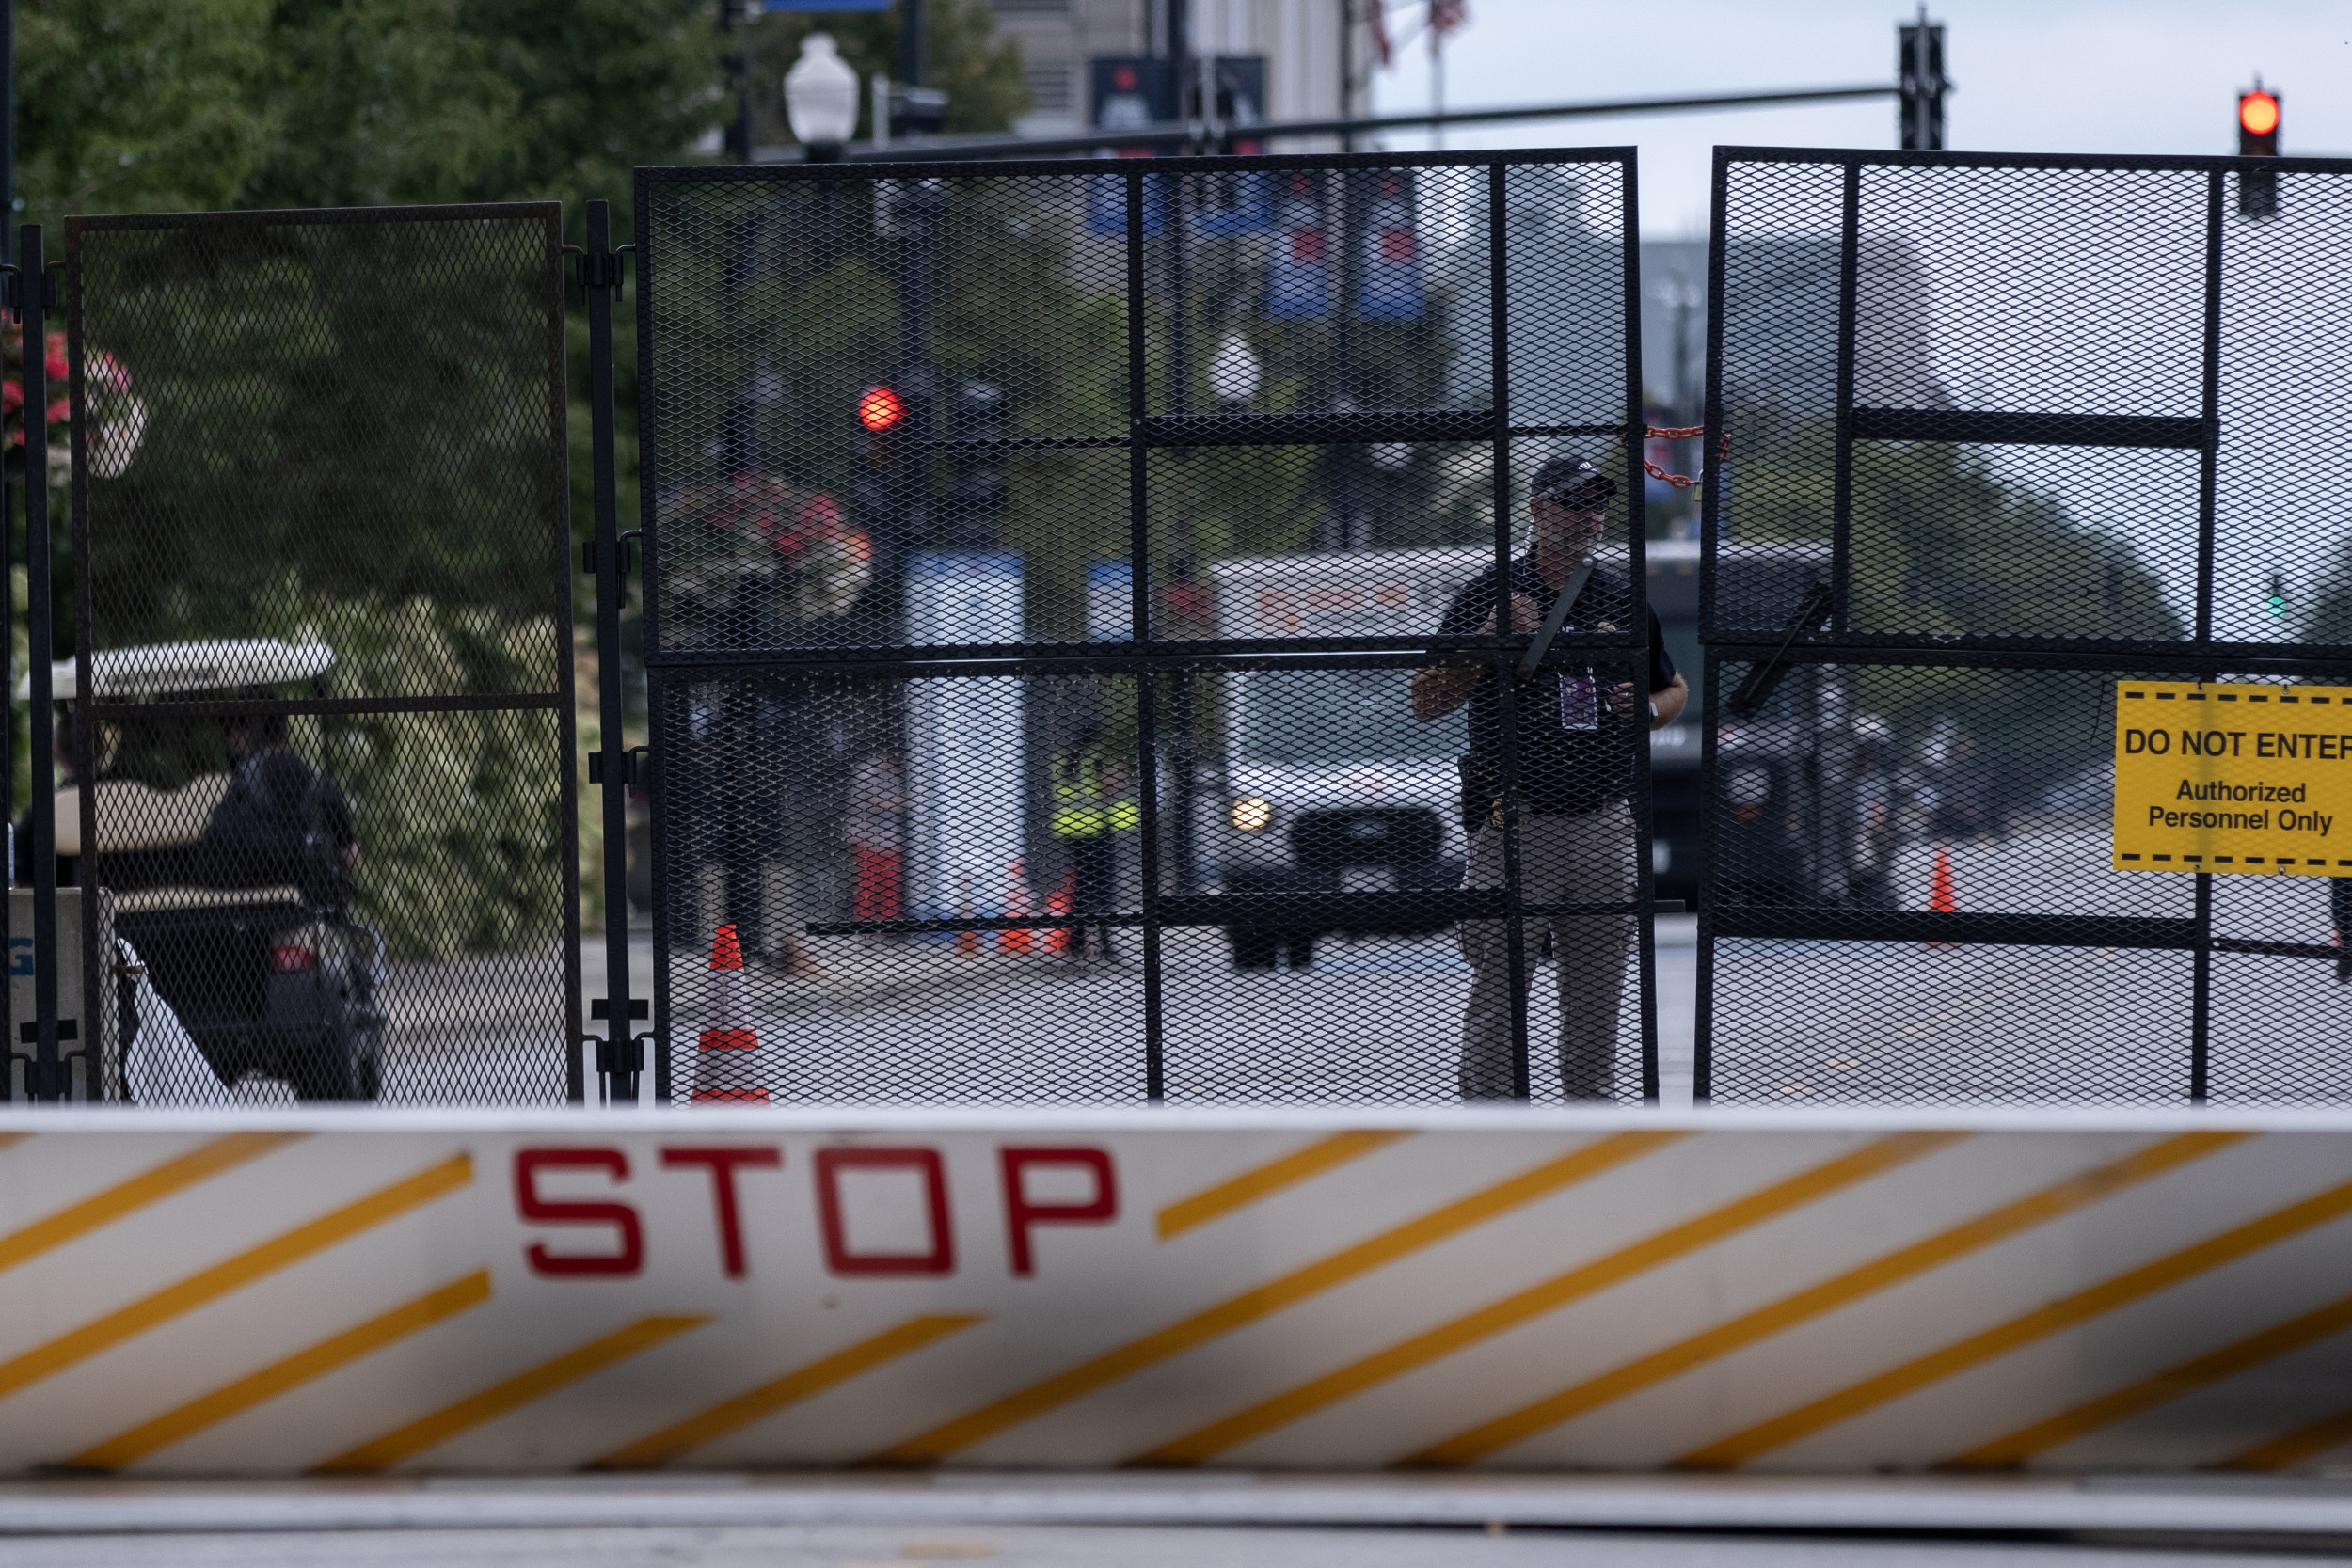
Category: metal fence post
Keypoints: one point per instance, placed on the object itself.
(621, 1054)
(2209, 401)
(1499, 338)
(1140, 627)
(1712, 521)
(1637, 580)
(45, 1074)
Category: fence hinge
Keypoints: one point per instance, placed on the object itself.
(598, 269)
(588, 553)
(601, 1006)
(631, 771)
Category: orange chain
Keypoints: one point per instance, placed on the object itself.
(1674, 433)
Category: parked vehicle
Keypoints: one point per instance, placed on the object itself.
(228, 858)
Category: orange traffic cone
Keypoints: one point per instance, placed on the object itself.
(1015, 938)
(1063, 938)
(968, 940)
(722, 1078)
(1941, 899)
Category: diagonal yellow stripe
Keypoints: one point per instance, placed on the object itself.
(427, 1432)
(1651, 1252)
(2039, 1324)
(221, 1278)
(152, 1186)
(298, 1368)
(7, 1138)
(1239, 1312)
(2038, 1209)
(803, 1382)
(2291, 1449)
(1251, 1185)
(2149, 1392)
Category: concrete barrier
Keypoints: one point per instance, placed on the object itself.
(378, 1292)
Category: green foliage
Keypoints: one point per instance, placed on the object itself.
(295, 419)
(1942, 545)
(130, 105)
(316, 467)
(460, 816)
(266, 443)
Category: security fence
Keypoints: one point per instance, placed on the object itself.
(1997, 446)
(317, 729)
(1070, 599)
(1077, 660)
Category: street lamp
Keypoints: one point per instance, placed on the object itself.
(821, 95)
(1235, 371)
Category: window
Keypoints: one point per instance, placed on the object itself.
(1049, 88)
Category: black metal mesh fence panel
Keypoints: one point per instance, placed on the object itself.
(1070, 637)
(321, 689)
(1988, 436)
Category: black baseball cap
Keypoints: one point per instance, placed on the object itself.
(1569, 480)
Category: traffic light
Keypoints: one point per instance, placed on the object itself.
(880, 409)
(2258, 124)
(874, 490)
(1920, 85)
(2258, 137)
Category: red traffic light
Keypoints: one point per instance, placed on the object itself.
(880, 408)
(2258, 125)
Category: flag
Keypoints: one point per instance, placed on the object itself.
(1298, 281)
(1377, 16)
(1389, 281)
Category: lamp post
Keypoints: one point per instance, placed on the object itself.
(820, 94)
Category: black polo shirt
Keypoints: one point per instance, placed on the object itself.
(1575, 753)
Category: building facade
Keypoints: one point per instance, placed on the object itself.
(1301, 41)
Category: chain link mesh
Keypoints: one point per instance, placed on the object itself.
(1042, 566)
(1988, 436)
(322, 686)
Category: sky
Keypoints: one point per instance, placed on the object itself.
(2155, 76)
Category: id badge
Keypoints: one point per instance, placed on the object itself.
(1579, 701)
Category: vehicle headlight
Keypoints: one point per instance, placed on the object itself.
(1252, 815)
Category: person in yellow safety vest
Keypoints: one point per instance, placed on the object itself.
(1091, 808)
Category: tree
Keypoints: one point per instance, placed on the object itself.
(480, 99)
(132, 105)
(1943, 545)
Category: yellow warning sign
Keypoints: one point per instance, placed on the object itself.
(2231, 776)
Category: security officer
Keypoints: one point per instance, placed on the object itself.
(1575, 762)
(1091, 808)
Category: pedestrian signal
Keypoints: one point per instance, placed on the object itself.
(880, 408)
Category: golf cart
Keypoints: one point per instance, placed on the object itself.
(228, 857)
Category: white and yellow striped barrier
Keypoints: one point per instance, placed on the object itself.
(275, 1294)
